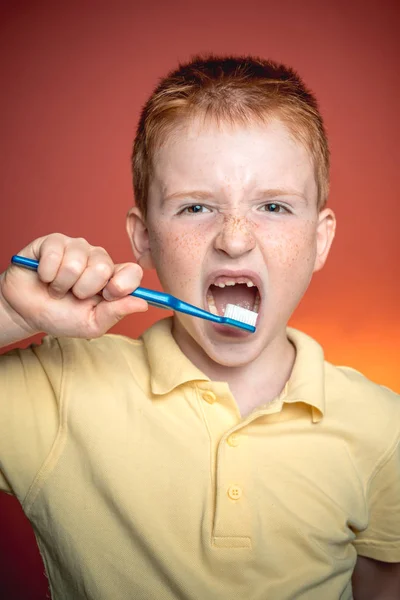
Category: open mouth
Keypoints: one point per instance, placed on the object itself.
(241, 291)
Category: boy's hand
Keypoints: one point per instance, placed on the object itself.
(77, 291)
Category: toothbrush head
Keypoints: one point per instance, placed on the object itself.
(242, 316)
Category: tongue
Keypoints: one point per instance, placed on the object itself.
(238, 294)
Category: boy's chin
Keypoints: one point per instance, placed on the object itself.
(225, 346)
(229, 361)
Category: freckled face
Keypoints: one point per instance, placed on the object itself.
(233, 198)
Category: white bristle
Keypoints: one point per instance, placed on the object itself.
(240, 314)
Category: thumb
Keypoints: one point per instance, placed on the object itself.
(108, 313)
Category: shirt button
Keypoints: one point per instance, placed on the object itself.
(233, 440)
(235, 492)
(209, 397)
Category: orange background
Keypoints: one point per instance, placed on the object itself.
(74, 77)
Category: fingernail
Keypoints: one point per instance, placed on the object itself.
(107, 295)
(54, 293)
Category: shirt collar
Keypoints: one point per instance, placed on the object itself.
(307, 380)
(169, 367)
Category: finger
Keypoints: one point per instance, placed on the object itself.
(50, 252)
(74, 262)
(99, 270)
(107, 314)
(126, 278)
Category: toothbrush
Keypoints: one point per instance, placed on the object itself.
(235, 316)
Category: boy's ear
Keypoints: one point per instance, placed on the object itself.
(326, 229)
(139, 238)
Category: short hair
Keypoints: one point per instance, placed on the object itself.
(235, 89)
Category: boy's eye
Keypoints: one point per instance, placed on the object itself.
(194, 209)
(273, 207)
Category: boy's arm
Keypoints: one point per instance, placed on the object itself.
(377, 572)
(30, 385)
(77, 292)
(376, 580)
(12, 329)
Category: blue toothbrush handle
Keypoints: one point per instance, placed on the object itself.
(25, 262)
(159, 299)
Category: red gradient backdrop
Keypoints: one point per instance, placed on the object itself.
(73, 79)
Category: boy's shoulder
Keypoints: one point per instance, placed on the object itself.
(75, 345)
(106, 346)
(349, 397)
(338, 379)
(368, 413)
(343, 379)
(108, 353)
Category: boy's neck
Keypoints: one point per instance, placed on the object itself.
(264, 379)
(253, 384)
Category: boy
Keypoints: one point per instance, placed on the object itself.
(201, 462)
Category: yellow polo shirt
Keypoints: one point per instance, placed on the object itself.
(142, 481)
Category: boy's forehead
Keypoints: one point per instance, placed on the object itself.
(260, 154)
(197, 130)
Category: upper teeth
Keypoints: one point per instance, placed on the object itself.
(222, 284)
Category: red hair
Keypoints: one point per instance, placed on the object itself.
(237, 90)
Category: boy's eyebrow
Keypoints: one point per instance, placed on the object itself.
(273, 193)
(196, 194)
(269, 193)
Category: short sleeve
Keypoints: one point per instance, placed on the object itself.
(381, 539)
(30, 381)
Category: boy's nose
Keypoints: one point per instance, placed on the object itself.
(235, 237)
